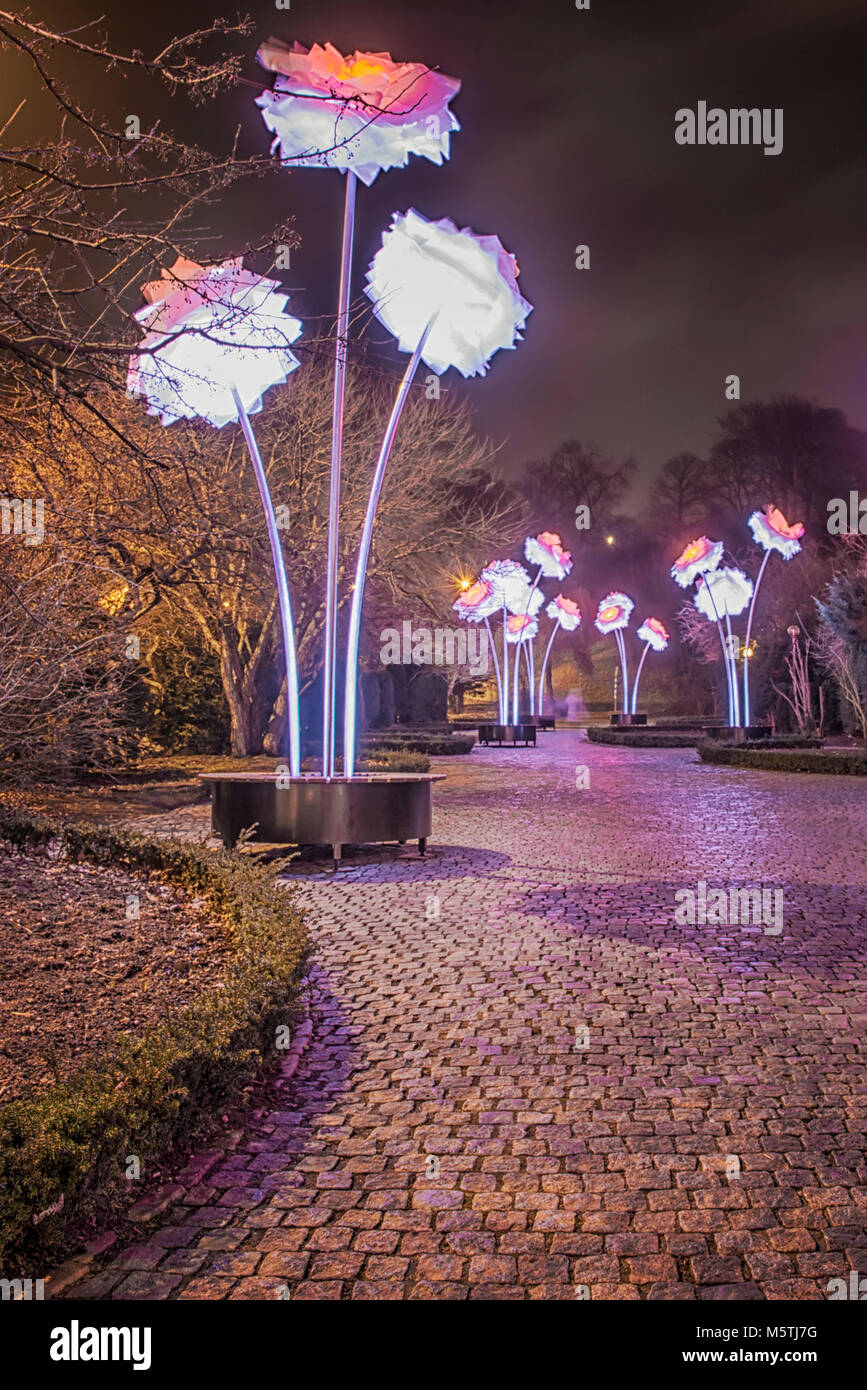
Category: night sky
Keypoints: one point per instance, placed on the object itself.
(704, 261)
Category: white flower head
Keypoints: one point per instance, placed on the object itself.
(465, 286)
(723, 593)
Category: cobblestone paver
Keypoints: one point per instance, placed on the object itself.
(526, 1080)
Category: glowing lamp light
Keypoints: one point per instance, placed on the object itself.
(614, 613)
(771, 530)
(478, 601)
(723, 594)
(365, 113)
(654, 634)
(211, 331)
(699, 557)
(546, 551)
(564, 611)
(458, 288)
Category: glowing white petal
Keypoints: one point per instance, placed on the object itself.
(568, 617)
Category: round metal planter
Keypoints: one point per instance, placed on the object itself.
(314, 810)
(507, 733)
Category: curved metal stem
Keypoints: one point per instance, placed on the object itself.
(349, 691)
(330, 664)
(638, 678)
(282, 590)
(734, 669)
(531, 674)
(504, 712)
(496, 668)
(624, 670)
(556, 629)
(747, 710)
(725, 653)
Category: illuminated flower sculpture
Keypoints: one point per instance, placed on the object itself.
(216, 338)
(211, 333)
(451, 299)
(364, 113)
(613, 615)
(358, 115)
(566, 614)
(654, 636)
(771, 530)
(546, 551)
(698, 557)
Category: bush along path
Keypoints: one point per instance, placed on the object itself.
(69, 1151)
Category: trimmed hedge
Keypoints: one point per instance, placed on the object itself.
(435, 745)
(641, 738)
(149, 1094)
(846, 763)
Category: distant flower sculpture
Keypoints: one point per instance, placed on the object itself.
(364, 113)
(546, 551)
(654, 636)
(451, 299)
(566, 615)
(771, 530)
(698, 557)
(613, 615)
(216, 338)
(520, 628)
(724, 594)
(359, 115)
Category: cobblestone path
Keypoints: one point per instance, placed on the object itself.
(527, 1080)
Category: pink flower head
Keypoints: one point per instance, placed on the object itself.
(653, 631)
(546, 550)
(521, 627)
(481, 600)
(614, 612)
(565, 611)
(209, 330)
(363, 113)
(773, 532)
(464, 286)
(698, 557)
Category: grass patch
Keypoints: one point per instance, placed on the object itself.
(153, 1093)
(845, 762)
